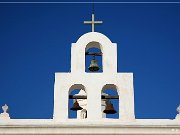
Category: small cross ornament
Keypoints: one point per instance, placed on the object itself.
(93, 22)
(5, 108)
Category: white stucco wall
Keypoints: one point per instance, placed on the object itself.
(93, 83)
(86, 127)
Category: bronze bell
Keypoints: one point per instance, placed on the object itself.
(109, 108)
(76, 106)
(94, 65)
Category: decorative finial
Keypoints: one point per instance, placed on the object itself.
(178, 109)
(178, 115)
(5, 108)
(93, 22)
(4, 115)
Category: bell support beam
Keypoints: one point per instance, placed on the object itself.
(85, 97)
(94, 53)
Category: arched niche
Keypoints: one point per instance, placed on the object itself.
(110, 90)
(91, 40)
(75, 90)
(93, 51)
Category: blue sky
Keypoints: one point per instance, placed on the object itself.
(35, 42)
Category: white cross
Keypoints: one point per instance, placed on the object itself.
(93, 22)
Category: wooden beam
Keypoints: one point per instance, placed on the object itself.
(94, 54)
(85, 97)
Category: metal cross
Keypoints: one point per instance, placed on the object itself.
(93, 22)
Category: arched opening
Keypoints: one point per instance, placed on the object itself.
(110, 102)
(93, 59)
(77, 102)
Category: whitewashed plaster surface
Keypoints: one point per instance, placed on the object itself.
(88, 127)
(94, 83)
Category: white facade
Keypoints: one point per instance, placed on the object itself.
(92, 85)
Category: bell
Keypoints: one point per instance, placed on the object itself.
(93, 66)
(76, 106)
(109, 108)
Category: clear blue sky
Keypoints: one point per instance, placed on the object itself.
(35, 42)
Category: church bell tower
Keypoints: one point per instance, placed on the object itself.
(90, 100)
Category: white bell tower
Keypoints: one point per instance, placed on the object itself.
(93, 84)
